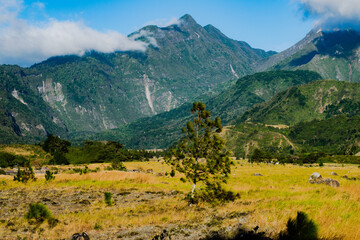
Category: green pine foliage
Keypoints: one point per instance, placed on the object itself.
(201, 156)
(300, 228)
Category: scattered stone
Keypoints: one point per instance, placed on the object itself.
(314, 177)
(149, 171)
(257, 174)
(334, 173)
(346, 177)
(328, 181)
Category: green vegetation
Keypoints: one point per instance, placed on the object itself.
(318, 100)
(161, 131)
(338, 135)
(108, 198)
(260, 156)
(49, 176)
(38, 212)
(300, 228)
(202, 158)
(26, 174)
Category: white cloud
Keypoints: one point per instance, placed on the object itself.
(144, 34)
(164, 22)
(38, 5)
(23, 43)
(332, 12)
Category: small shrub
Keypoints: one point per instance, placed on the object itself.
(49, 176)
(172, 173)
(108, 199)
(117, 165)
(2, 172)
(98, 226)
(26, 174)
(39, 212)
(300, 228)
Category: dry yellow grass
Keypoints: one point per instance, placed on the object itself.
(147, 199)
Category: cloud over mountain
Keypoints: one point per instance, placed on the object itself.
(25, 43)
(333, 13)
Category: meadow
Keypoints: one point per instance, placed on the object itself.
(147, 201)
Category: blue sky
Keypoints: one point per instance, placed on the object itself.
(266, 24)
(34, 30)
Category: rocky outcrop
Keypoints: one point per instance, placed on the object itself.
(316, 178)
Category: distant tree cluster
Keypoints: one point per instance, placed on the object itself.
(57, 147)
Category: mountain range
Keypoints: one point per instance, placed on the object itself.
(142, 98)
(104, 91)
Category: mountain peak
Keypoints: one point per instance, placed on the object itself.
(188, 18)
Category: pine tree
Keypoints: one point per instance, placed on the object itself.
(202, 157)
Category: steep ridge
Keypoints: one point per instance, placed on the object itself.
(333, 54)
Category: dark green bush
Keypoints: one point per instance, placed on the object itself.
(38, 212)
(108, 199)
(7, 160)
(49, 175)
(300, 228)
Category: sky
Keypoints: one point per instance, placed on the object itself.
(33, 30)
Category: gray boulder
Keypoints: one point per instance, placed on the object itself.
(334, 173)
(314, 177)
(349, 178)
(329, 182)
(257, 174)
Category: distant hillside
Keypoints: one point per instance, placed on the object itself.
(242, 139)
(318, 100)
(336, 135)
(163, 129)
(333, 54)
(322, 116)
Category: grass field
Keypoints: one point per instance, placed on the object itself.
(147, 201)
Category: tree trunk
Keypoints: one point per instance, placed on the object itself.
(193, 190)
